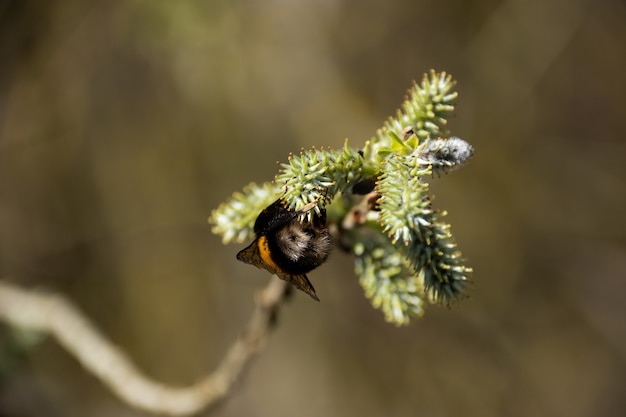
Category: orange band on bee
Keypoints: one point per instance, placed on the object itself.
(264, 251)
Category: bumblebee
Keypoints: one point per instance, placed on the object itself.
(288, 247)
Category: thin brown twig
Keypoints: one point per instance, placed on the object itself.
(54, 314)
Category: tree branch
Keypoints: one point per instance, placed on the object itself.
(57, 316)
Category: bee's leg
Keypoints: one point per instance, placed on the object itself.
(309, 206)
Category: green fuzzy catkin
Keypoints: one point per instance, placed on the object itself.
(318, 175)
(387, 282)
(446, 278)
(234, 219)
(416, 230)
(425, 111)
(403, 208)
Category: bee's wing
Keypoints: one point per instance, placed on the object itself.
(301, 282)
(251, 255)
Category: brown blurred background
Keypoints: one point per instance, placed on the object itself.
(124, 123)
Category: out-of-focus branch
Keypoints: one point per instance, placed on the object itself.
(57, 316)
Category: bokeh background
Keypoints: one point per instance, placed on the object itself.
(124, 123)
